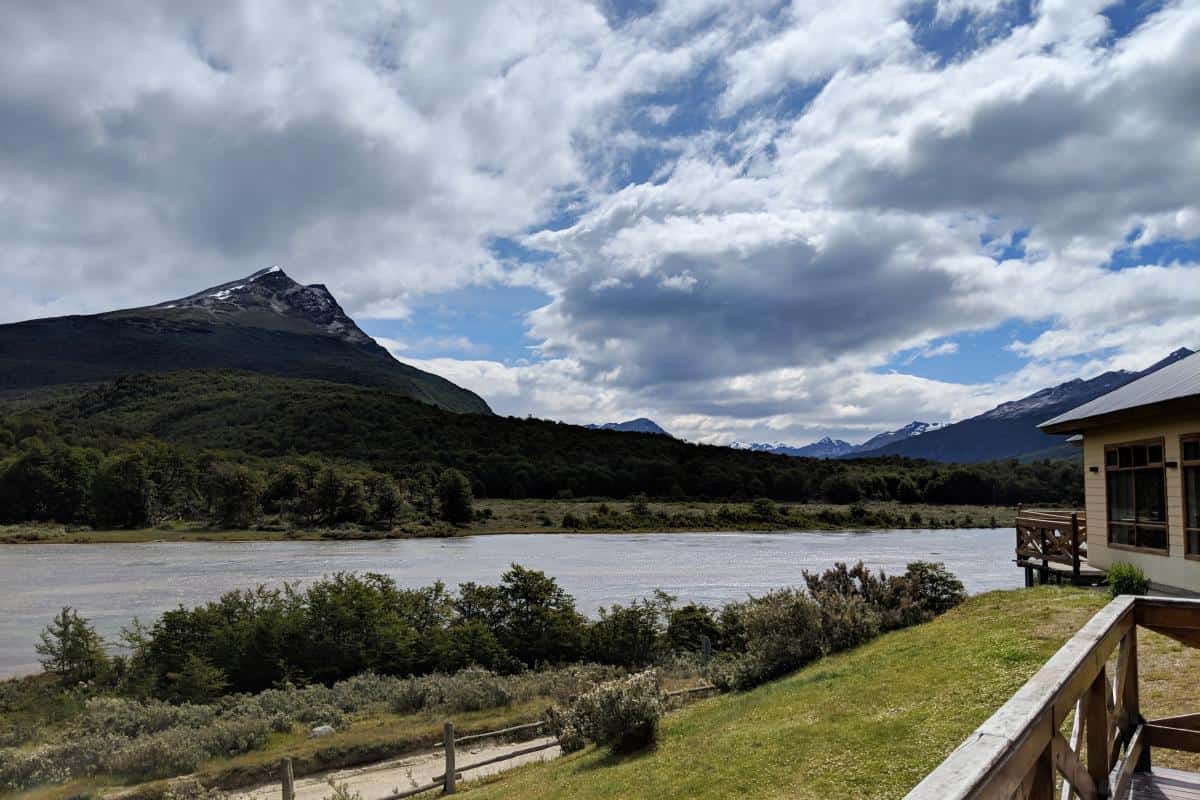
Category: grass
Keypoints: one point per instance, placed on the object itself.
(529, 516)
(869, 723)
(371, 737)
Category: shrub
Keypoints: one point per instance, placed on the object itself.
(783, 632)
(629, 635)
(1124, 578)
(130, 718)
(623, 714)
(689, 626)
(847, 620)
(934, 588)
(22, 769)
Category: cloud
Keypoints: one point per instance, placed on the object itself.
(741, 215)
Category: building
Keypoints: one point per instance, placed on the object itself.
(1141, 462)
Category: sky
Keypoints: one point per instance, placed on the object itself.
(756, 221)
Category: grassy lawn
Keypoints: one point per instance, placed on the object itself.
(864, 724)
(531, 516)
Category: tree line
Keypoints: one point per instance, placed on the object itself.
(348, 624)
(150, 482)
(217, 445)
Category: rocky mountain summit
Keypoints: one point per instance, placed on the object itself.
(265, 323)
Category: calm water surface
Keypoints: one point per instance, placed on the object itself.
(112, 583)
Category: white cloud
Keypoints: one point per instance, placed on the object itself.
(819, 187)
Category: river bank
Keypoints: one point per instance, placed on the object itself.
(558, 516)
(113, 583)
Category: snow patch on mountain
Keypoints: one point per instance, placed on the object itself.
(828, 447)
(270, 290)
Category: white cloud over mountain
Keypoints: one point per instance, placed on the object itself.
(741, 216)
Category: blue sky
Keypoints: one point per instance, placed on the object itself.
(756, 221)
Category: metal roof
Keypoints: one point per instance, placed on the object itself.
(1181, 379)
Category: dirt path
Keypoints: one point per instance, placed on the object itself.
(374, 781)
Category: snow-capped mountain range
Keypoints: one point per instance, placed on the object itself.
(1007, 431)
(828, 447)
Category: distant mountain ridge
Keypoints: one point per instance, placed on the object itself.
(1007, 431)
(639, 425)
(828, 447)
(265, 323)
(1010, 429)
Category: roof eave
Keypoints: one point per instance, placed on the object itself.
(1175, 405)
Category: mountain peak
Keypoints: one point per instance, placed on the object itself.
(262, 273)
(639, 425)
(272, 299)
(265, 323)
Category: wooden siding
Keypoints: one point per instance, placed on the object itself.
(1171, 570)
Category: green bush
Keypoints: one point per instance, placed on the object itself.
(783, 632)
(1126, 578)
(689, 626)
(632, 635)
(847, 620)
(623, 714)
(933, 587)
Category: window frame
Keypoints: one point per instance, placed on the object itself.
(1184, 465)
(1164, 526)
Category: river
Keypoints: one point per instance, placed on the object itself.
(112, 583)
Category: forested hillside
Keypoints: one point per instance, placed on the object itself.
(216, 443)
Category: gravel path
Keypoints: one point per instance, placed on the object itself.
(375, 781)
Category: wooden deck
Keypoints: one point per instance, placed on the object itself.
(1071, 732)
(1052, 547)
(1164, 784)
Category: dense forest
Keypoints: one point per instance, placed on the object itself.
(226, 446)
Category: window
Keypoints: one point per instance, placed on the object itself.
(1137, 496)
(1190, 447)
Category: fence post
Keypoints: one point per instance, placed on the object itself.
(289, 780)
(450, 786)
(1075, 548)
(1045, 561)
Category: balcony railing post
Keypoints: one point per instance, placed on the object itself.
(1096, 728)
(1130, 700)
(1043, 775)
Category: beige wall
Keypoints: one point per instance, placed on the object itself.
(1169, 570)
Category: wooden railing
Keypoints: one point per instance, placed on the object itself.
(448, 780)
(1048, 536)
(1023, 750)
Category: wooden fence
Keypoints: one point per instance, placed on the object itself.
(448, 780)
(1021, 751)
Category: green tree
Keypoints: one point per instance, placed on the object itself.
(48, 483)
(386, 499)
(123, 493)
(689, 626)
(630, 635)
(455, 499)
(71, 649)
(235, 495)
(199, 682)
(539, 621)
